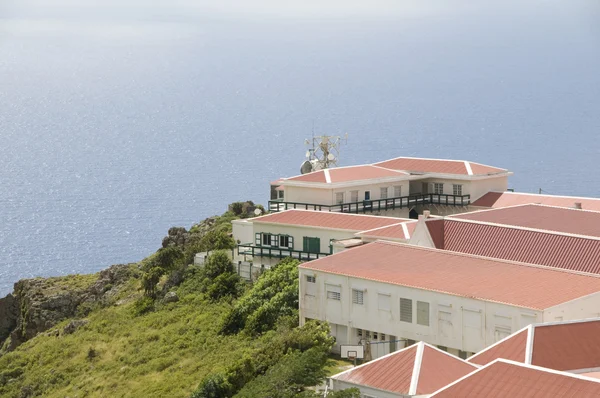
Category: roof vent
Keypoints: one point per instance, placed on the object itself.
(577, 205)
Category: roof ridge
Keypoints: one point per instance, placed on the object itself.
(414, 380)
(385, 226)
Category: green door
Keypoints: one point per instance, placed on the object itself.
(312, 245)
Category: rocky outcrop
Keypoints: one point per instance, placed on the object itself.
(8, 316)
(74, 325)
(41, 303)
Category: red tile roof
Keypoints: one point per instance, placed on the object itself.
(513, 347)
(347, 174)
(565, 346)
(502, 379)
(395, 372)
(575, 253)
(442, 166)
(549, 218)
(505, 199)
(330, 220)
(402, 230)
(459, 274)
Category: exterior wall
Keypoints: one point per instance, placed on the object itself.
(337, 385)
(243, 231)
(375, 190)
(475, 188)
(481, 187)
(326, 196)
(324, 235)
(586, 307)
(321, 196)
(457, 323)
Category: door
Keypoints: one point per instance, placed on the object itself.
(367, 195)
(424, 188)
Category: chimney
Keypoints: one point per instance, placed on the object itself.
(578, 205)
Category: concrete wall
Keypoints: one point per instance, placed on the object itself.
(243, 231)
(322, 196)
(375, 190)
(454, 322)
(475, 188)
(586, 307)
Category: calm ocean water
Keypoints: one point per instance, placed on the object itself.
(119, 120)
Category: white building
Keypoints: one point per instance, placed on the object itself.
(301, 234)
(398, 187)
(387, 293)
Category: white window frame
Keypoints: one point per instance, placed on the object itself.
(353, 196)
(398, 191)
(311, 279)
(383, 192)
(339, 198)
(438, 188)
(457, 189)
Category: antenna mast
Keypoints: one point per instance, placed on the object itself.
(324, 150)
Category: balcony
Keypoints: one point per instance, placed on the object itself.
(277, 252)
(367, 206)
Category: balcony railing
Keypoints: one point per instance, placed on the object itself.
(277, 252)
(376, 204)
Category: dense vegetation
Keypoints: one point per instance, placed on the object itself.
(219, 338)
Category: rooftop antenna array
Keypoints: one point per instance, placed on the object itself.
(323, 152)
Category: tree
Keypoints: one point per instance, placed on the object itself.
(218, 263)
(160, 263)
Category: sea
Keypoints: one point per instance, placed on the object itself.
(122, 118)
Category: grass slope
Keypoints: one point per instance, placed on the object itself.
(118, 354)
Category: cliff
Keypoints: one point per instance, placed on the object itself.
(39, 304)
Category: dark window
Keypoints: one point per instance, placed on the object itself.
(266, 239)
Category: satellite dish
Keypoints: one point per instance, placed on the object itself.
(306, 167)
(257, 212)
(330, 157)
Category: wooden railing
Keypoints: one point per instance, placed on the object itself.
(376, 204)
(278, 252)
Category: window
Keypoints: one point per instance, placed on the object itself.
(353, 196)
(284, 241)
(501, 332)
(334, 292)
(311, 245)
(339, 198)
(357, 297)
(382, 336)
(398, 191)
(383, 302)
(457, 189)
(280, 194)
(443, 348)
(311, 279)
(422, 313)
(359, 332)
(375, 336)
(438, 188)
(266, 239)
(406, 310)
(383, 193)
